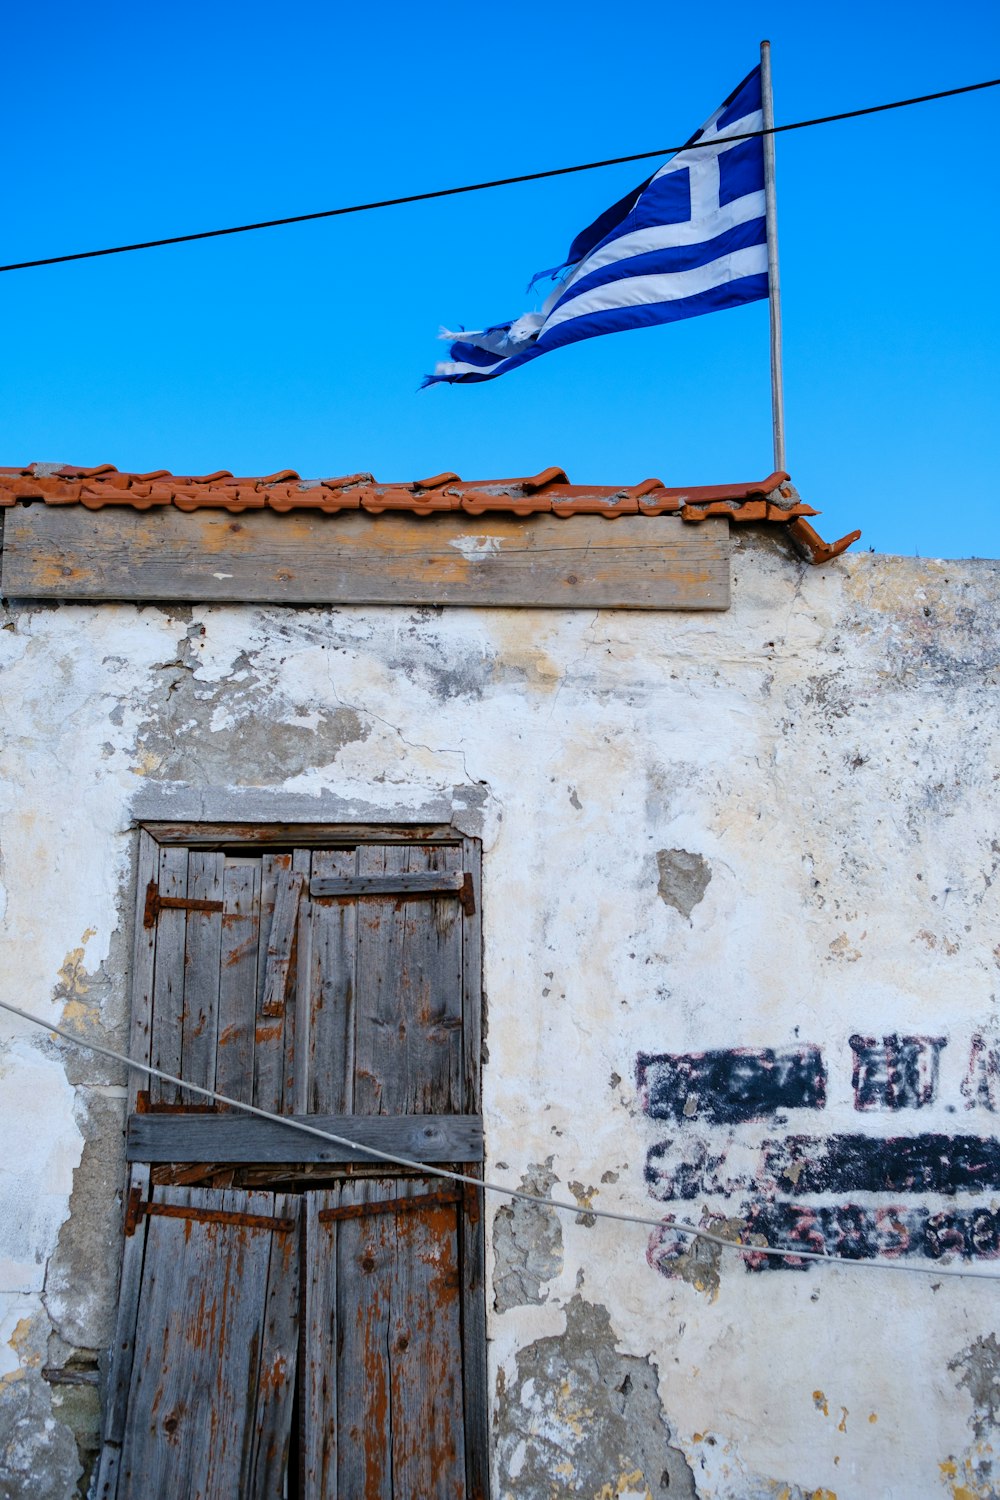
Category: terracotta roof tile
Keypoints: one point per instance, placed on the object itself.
(772, 500)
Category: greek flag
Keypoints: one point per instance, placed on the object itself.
(689, 240)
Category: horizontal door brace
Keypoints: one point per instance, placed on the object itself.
(408, 886)
(227, 1136)
(155, 903)
(138, 1209)
(387, 1206)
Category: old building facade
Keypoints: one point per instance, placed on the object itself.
(673, 894)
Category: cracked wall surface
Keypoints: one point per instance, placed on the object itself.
(740, 921)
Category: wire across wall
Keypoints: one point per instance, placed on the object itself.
(754, 1247)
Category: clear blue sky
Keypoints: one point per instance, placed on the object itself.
(303, 347)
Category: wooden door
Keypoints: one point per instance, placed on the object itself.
(339, 981)
(394, 987)
(206, 1348)
(328, 980)
(383, 1358)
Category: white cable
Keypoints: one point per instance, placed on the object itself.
(680, 1225)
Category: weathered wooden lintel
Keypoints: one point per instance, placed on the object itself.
(542, 561)
(237, 836)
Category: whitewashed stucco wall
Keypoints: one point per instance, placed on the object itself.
(826, 753)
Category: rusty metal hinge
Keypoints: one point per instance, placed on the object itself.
(133, 1208)
(146, 1106)
(388, 1206)
(155, 903)
(137, 1209)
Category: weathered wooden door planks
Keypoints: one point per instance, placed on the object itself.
(281, 890)
(214, 1345)
(234, 1060)
(337, 981)
(202, 970)
(382, 1004)
(383, 1346)
(408, 1043)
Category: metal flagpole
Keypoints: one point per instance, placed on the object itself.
(773, 282)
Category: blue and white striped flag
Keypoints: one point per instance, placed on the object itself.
(689, 240)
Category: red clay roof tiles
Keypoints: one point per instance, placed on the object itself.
(771, 500)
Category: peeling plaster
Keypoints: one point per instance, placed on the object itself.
(684, 879)
(205, 724)
(697, 1261)
(38, 1454)
(527, 1244)
(720, 1472)
(980, 1367)
(973, 1473)
(80, 1289)
(41, 1147)
(579, 1418)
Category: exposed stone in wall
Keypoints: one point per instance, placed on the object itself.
(527, 1243)
(81, 1287)
(81, 1284)
(684, 878)
(38, 1453)
(980, 1374)
(974, 1474)
(582, 1419)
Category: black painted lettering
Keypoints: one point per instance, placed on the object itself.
(895, 1072)
(863, 1233)
(730, 1086)
(981, 1084)
(926, 1163)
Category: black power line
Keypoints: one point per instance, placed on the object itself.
(478, 187)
